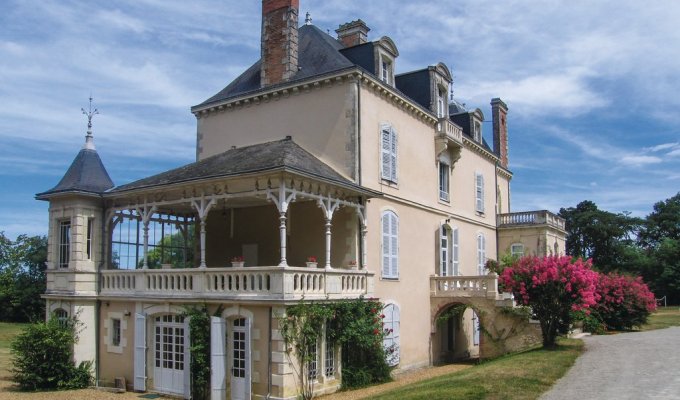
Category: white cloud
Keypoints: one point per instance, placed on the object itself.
(640, 160)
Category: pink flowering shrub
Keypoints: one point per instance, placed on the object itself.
(624, 301)
(553, 287)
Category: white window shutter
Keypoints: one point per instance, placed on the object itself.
(479, 192)
(386, 245)
(386, 148)
(140, 353)
(394, 246)
(393, 155)
(187, 359)
(443, 251)
(454, 268)
(218, 357)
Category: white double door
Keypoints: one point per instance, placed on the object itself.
(170, 345)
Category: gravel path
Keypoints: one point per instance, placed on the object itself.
(639, 365)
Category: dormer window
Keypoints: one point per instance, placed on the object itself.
(385, 71)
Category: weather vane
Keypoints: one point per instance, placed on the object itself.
(91, 113)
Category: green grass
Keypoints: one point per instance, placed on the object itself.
(7, 332)
(663, 318)
(519, 376)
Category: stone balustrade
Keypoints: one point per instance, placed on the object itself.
(450, 130)
(542, 217)
(484, 286)
(255, 283)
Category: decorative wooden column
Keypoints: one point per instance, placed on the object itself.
(202, 208)
(282, 200)
(361, 213)
(145, 212)
(328, 205)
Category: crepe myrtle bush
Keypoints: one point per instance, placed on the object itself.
(624, 301)
(553, 287)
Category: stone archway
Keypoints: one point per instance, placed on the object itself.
(503, 328)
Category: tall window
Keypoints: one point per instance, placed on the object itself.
(481, 254)
(391, 339)
(385, 70)
(388, 153)
(64, 243)
(443, 181)
(62, 316)
(390, 245)
(441, 103)
(329, 362)
(454, 252)
(479, 192)
(449, 251)
(90, 225)
(478, 132)
(115, 334)
(444, 251)
(313, 363)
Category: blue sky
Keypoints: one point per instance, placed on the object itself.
(591, 86)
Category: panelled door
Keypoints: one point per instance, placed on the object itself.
(169, 338)
(240, 360)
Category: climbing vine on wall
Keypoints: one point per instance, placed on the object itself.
(199, 347)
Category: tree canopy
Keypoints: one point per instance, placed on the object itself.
(22, 278)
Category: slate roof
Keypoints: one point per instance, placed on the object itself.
(318, 54)
(86, 174)
(270, 156)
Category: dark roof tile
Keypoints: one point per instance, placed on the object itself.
(86, 174)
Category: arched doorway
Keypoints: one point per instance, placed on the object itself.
(457, 334)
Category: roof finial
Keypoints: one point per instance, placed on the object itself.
(89, 143)
(451, 90)
(308, 19)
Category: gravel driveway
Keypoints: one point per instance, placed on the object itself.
(639, 365)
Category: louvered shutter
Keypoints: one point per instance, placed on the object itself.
(443, 251)
(218, 356)
(140, 353)
(386, 145)
(386, 259)
(393, 155)
(479, 192)
(391, 338)
(394, 245)
(455, 252)
(481, 253)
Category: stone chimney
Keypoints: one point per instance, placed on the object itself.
(353, 33)
(499, 114)
(279, 41)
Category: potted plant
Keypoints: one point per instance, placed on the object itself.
(237, 262)
(311, 262)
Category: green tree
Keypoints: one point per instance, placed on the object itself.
(605, 237)
(22, 278)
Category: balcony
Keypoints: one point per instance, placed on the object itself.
(450, 131)
(529, 218)
(479, 286)
(247, 283)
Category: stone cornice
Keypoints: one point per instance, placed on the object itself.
(477, 148)
(503, 172)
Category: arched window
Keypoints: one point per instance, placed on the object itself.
(390, 245)
(391, 340)
(481, 254)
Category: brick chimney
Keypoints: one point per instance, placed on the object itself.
(499, 114)
(353, 33)
(279, 41)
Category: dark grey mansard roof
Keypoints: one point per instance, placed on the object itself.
(86, 174)
(271, 156)
(318, 54)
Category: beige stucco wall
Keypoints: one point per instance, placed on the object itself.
(321, 120)
(117, 362)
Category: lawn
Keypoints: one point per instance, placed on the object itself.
(519, 376)
(7, 333)
(663, 318)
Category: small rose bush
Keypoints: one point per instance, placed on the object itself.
(553, 287)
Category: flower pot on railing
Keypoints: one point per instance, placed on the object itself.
(311, 264)
(353, 265)
(237, 262)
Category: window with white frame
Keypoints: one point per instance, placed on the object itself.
(390, 245)
(115, 331)
(441, 102)
(481, 254)
(313, 363)
(62, 316)
(478, 132)
(88, 239)
(64, 243)
(448, 248)
(391, 323)
(388, 158)
(479, 192)
(444, 173)
(385, 70)
(454, 252)
(517, 250)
